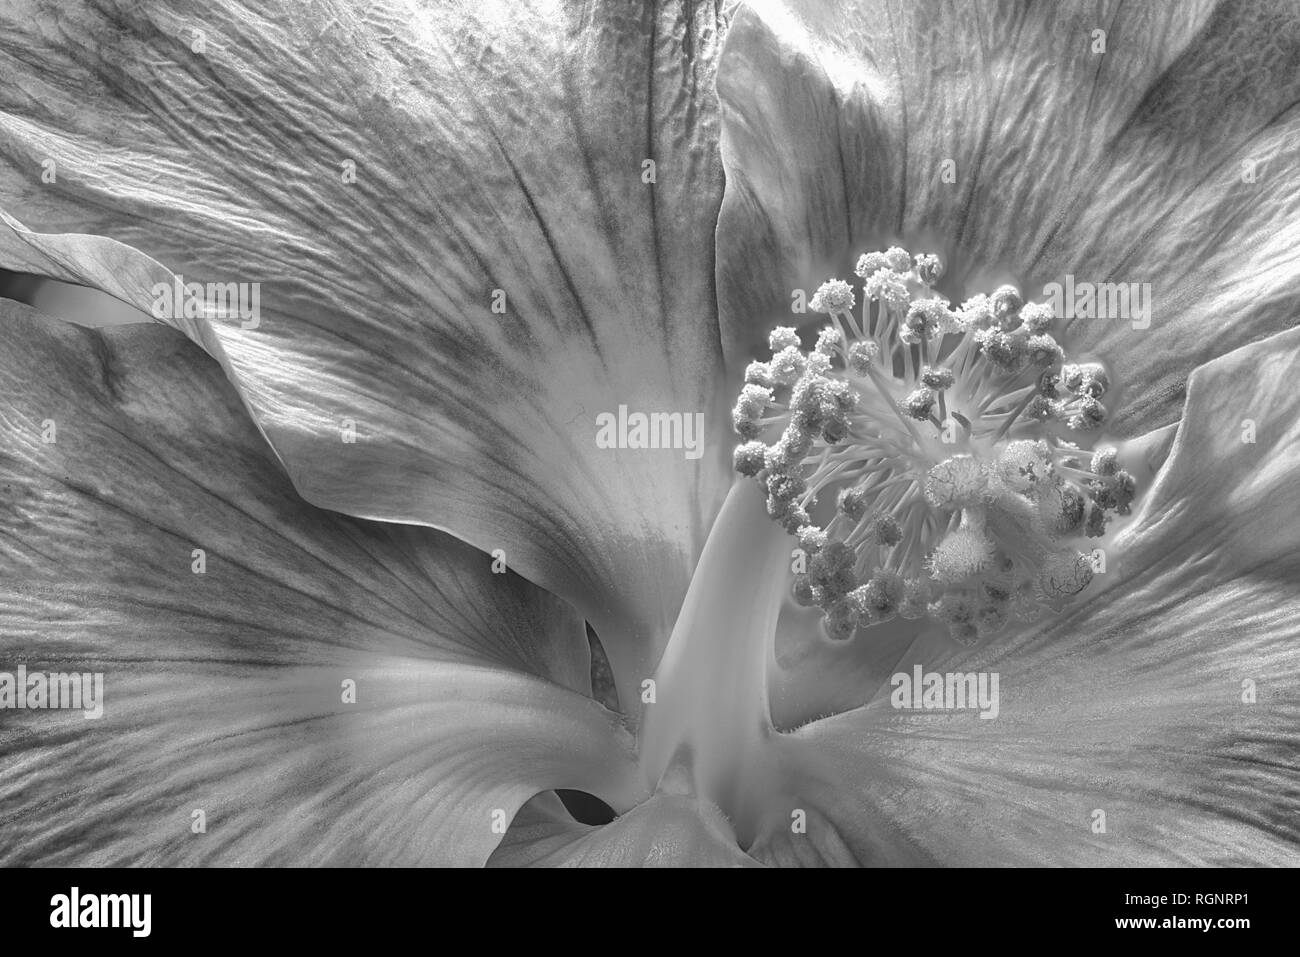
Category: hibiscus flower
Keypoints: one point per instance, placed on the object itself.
(336, 559)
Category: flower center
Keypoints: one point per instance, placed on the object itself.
(929, 459)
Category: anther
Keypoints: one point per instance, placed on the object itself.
(919, 453)
(832, 297)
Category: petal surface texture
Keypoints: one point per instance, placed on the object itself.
(325, 690)
(477, 228)
(1152, 144)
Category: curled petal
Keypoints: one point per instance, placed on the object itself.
(323, 689)
(476, 230)
(666, 831)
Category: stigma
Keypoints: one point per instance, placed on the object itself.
(930, 460)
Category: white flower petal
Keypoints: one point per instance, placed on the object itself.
(666, 831)
(841, 118)
(496, 147)
(223, 691)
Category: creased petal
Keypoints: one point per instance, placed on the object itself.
(1125, 166)
(666, 831)
(1168, 701)
(224, 683)
(499, 155)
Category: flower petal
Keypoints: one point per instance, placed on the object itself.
(1167, 701)
(498, 153)
(225, 682)
(666, 831)
(839, 120)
